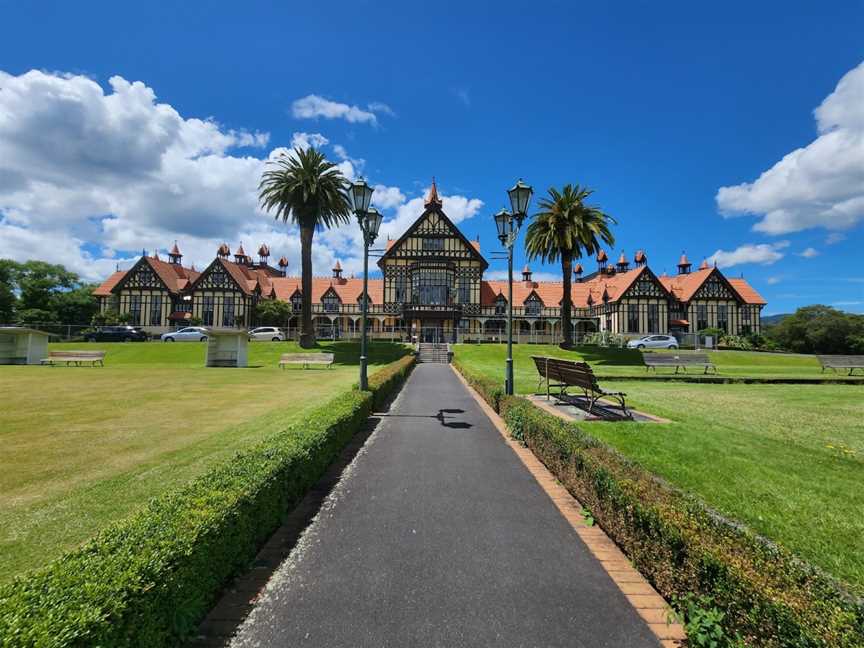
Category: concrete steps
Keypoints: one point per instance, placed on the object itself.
(433, 352)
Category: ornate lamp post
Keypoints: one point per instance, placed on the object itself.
(369, 220)
(508, 225)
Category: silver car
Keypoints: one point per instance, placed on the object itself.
(267, 333)
(653, 342)
(188, 334)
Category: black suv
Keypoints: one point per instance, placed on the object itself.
(117, 334)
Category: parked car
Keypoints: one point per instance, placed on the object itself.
(267, 333)
(653, 342)
(188, 334)
(122, 333)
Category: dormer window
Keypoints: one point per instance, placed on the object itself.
(368, 301)
(296, 302)
(331, 303)
(500, 305)
(533, 305)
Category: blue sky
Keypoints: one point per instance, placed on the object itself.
(124, 127)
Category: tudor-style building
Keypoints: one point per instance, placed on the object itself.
(432, 289)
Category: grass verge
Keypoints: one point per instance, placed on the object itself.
(767, 594)
(149, 579)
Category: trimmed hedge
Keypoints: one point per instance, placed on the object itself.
(148, 580)
(768, 595)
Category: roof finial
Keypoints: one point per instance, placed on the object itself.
(432, 198)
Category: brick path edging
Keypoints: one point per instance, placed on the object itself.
(648, 603)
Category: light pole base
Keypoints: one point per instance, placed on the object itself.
(364, 379)
(508, 377)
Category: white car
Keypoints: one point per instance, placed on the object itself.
(188, 334)
(654, 342)
(267, 333)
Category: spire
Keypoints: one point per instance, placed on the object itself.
(684, 264)
(283, 265)
(264, 253)
(704, 264)
(577, 272)
(432, 200)
(337, 270)
(174, 255)
(640, 259)
(223, 252)
(623, 265)
(526, 274)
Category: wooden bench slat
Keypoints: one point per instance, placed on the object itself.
(841, 361)
(306, 359)
(567, 373)
(74, 356)
(679, 361)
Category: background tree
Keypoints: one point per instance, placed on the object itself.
(819, 329)
(307, 190)
(8, 271)
(274, 312)
(565, 228)
(35, 292)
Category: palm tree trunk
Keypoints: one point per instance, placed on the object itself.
(307, 333)
(566, 300)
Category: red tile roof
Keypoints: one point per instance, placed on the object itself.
(348, 289)
(747, 292)
(106, 286)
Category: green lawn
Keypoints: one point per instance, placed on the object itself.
(788, 460)
(628, 362)
(84, 446)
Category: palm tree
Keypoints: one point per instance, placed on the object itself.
(311, 192)
(566, 228)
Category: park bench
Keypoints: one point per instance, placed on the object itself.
(75, 357)
(565, 374)
(679, 361)
(835, 362)
(306, 359)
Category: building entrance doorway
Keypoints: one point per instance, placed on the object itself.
(432, 332)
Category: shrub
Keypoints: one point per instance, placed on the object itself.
(757, 588)
(605, 339)
(149, 579)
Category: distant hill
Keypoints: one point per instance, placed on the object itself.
(775, 319)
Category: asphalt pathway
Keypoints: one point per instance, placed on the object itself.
(437, 535)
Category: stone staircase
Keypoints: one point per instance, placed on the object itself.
(432, 352)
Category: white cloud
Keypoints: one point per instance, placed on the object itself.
(387, 197)
(820, 185)
(304, 141)
(771, 281)
(762, 253)
(834, 237)
(312, 106)
(381, 107)
(809, 253)
(90, 176)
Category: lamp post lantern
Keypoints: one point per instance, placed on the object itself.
(369, 220)
(508, 225)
